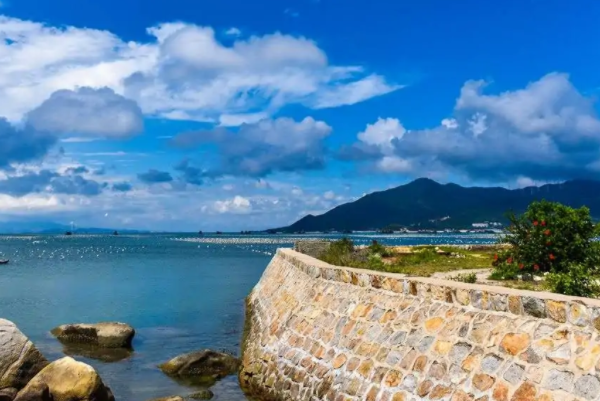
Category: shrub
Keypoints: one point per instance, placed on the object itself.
(340, 253)
(554, 238)
(378, 249)
(470, 278)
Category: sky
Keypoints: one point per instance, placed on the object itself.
(188, 115)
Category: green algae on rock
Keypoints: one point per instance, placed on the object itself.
(201, 367)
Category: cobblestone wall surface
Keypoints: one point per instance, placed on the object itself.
(312, 248)
(320, 332)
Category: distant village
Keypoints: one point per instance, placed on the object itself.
(486, 227)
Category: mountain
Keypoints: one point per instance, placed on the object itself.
(48, 227)
(424, 203)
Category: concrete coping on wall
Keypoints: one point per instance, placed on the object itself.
(582, 312)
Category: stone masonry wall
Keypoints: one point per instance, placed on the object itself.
(320, 332)
(312, 248)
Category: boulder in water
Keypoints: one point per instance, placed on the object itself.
(20, 361)
(171, 398)
(37, 392)
(67, 380)
(203, 367)
(204, 394)
(8, 394)
(105, 335)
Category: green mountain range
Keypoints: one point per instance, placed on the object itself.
(426, 204)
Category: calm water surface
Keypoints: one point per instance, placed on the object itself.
(181, 293)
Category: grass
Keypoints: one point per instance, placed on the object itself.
(423, 261)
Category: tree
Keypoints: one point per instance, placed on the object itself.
(554, 238)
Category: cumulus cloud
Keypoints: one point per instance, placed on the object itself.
(77, 170)
(22, 145)
(189, 174)
(237, 205)
(49, 181)
(547, 130)
(88, 111)
(153, 176)
(183, 72)
(122, 186)
(263, 148)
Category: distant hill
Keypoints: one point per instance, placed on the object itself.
(45, 227)
(426, 204)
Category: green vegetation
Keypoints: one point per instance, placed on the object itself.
(549, 240)
(555, 241)
(470, 278)
(421, 261)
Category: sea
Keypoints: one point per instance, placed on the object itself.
(181, 293)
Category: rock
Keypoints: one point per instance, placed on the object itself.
(205, 366)
(67, 380)
(527, 277)
(37, 392)
(20, 361)
(98, 353)
(105, 335)
(8, 394)
(204, 394)
(171, 398)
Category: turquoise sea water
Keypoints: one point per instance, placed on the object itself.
(181, 293)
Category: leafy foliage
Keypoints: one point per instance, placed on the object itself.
(470, 278)
(555, 239)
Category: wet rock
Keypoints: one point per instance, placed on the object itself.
(36, 392)
(8, 394)
(67, 380)
(204, 394)
(171, 398)
(203, 367)
(20, 361)
(105, 334)
(98, 353)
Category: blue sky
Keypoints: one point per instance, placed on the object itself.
(231, 115)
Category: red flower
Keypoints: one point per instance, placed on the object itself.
(509, 260)
(552, 257)
(535, 223)
(521, 266)
(547, 232)
(496, 257)
(536, 267)
(544, 223)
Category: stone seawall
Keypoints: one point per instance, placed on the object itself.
(321, 332)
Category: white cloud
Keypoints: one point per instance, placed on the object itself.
(263, 148)
(382, 133)
(450, 123)
(394, 164)
(329, 195)
(183, 72)
(32, 202)
(237, 205)
(546, 131)
(233, 32)
(87, 111)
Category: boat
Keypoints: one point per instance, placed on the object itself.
(4, 262)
